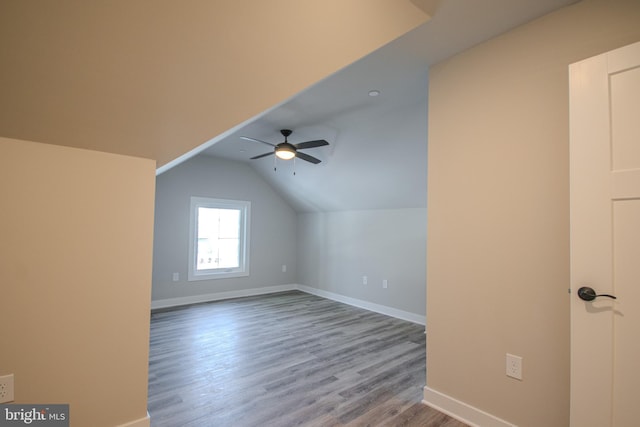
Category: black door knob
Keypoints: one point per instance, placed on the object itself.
(588, 294)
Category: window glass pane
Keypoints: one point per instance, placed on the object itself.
(207, 223)
(207, 256)
(218, 238)
(229, 223)
(228, 253)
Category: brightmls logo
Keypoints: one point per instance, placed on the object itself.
(34, 415)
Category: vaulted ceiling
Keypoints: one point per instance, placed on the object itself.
(167, 80)
(158, 78)
(378, 153)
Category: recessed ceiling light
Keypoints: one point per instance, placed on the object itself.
(374, 92)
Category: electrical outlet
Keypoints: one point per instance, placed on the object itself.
(364, 280)
(514, 366)
(175, 277)
(6, 388)
(284, 268)
(385, 284)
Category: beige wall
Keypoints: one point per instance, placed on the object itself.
(498, 209)
(75, 279)
(157, 78)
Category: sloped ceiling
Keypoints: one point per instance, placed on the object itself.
(158, 78)
(167, 80)
(378, 153)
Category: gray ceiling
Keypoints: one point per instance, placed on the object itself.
(377, 157)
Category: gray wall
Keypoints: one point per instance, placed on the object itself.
(273, 227)
(335, 249)
(326, 251)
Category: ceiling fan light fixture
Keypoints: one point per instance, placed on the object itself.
(285, 152)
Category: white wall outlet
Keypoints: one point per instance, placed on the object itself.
(176, 277)
(6, 388)
(364, 280)
(385, 283)
(514, 366)
(284, 268)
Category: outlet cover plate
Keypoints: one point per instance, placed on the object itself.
(514, 366)
(6, 388)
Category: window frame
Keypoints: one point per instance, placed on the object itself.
(193, 274)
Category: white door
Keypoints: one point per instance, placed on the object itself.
(605, 239)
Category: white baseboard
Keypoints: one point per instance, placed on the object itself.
(461, 411)
(195, 299)
(378, 308)
(142, 422)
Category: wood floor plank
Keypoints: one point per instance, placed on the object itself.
(286, 359)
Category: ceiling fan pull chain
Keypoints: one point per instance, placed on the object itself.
(294, 166)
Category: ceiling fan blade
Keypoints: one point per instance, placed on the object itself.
(257, 140)
(311, 144)
(262, 155)
(307, 157)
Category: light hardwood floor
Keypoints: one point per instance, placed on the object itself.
(286, 359)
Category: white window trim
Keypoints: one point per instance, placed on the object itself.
(245, 209)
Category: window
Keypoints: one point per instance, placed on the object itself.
(218, 238)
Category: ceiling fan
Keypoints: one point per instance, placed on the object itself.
(288, 151)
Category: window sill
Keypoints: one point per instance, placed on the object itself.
(215, 276)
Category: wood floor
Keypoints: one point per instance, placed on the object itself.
(286, 359)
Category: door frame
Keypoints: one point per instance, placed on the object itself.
(591, 237)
